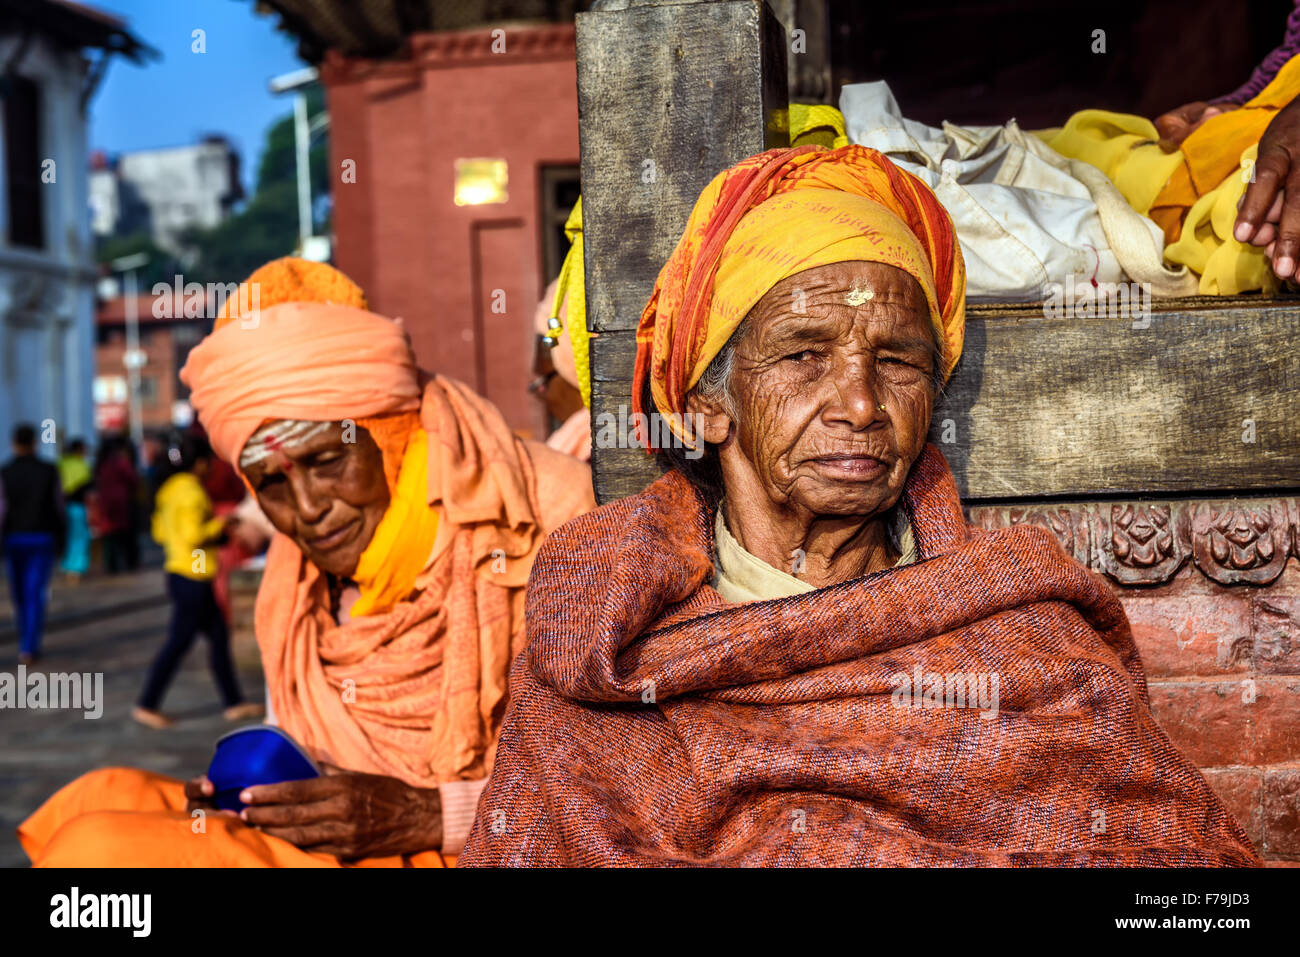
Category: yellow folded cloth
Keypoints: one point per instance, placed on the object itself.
(1192, 194)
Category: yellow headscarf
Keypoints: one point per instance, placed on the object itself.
(777, 214)
(810, 123)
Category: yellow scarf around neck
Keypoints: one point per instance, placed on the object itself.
(400, 548)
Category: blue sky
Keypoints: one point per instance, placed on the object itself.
(176, 99)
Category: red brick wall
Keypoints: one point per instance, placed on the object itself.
(1223, 663)
(1212, 591)
(158, 345)
(399, 235)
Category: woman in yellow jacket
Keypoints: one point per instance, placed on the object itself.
(184, 525)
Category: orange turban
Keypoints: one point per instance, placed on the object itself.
(772, 216)
(290, 279)
(299, 360)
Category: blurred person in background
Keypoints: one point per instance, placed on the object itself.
(34, 533)
(555, 383)
(561, 363)
(155, 467)
(116, 487)
(187, 529)
(228, 492)
(77, 480)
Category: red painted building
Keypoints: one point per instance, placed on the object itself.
(465, 279)
(166, 337)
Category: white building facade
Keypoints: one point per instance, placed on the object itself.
(178, 188)
(47, 266)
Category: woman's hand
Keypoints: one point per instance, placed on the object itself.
(1176, 125)
(1270, 210)
(349, 815)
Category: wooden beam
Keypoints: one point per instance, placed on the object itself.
(1196, 402)
(1200, 402)
(625, 470)
(669, 95)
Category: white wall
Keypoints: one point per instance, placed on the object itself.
(47, 295)
(105, 202)
(183, 186)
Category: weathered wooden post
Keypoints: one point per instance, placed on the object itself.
(669, 94)
(1184, 400)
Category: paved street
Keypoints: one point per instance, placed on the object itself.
(112, 626)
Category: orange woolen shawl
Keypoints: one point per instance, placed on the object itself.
(416, 692)
(753, 226)
(652, 723)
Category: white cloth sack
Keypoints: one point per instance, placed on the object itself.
(1026, 216)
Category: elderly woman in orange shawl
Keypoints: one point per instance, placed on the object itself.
(408, 516)
(792, 649)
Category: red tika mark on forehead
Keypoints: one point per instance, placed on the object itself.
(277, 446)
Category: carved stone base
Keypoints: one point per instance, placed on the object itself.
(1231, 541)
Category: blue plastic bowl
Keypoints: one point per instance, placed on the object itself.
(262, 754)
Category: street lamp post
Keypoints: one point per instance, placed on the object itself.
(301, 142)
(297, 83)
(133, 358)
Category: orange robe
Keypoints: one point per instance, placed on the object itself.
(125, 817)
(417, 692)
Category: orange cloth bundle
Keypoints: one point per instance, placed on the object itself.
(125, 817)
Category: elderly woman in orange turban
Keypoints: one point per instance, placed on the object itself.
(407, 516)
(791, 648)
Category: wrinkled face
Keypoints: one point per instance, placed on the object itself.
(326, 494)
(832, 388)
